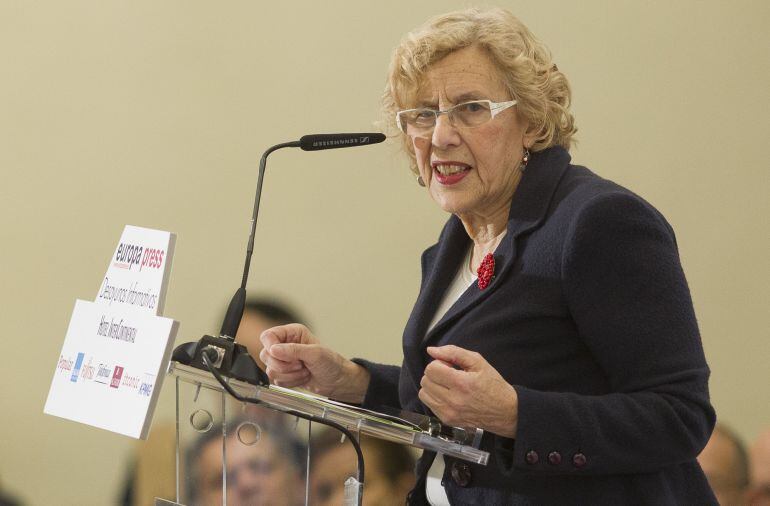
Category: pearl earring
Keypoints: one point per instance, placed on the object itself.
(524, 160)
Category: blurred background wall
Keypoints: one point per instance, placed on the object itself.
(155, 113)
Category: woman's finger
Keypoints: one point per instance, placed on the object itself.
(292, 380)
(436, 391)
(428, 399)
(465, 359)
(283, 367)
(441, 373)
(291, 333)
(288, 376)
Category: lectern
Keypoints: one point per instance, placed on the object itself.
(207, 417)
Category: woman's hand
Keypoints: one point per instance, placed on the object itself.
(463, 390)
(295, 358)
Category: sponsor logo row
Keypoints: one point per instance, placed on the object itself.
(112, 375)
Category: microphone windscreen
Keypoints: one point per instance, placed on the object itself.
(333, 141)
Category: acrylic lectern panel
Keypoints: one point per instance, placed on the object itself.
(232, 453)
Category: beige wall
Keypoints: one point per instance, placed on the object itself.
(154, 114)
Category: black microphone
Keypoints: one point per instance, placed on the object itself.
(228, 357)
(332, 141)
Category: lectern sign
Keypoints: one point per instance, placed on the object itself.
(137, 274)
(116, 349)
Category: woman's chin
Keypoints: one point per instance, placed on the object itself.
(452, 204)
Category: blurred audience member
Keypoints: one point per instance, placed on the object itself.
(268, 472)
(7, 500)
(389, 470)
(725, 462)
(152, 472)
(759, 487)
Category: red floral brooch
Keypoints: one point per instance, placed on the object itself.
(486, 271)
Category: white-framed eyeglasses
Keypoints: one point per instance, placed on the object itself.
(466, 115)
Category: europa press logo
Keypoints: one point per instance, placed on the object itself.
(129, 255)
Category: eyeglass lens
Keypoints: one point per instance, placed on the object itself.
(469, 114)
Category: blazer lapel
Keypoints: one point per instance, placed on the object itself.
(439, 265)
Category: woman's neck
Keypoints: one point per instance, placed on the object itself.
(486, 232)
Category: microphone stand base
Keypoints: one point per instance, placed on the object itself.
(228, 357)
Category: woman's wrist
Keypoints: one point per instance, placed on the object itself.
(353, 383)
(509, 415)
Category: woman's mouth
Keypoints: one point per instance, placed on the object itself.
(449, 173)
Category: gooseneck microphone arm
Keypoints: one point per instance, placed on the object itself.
(255, 213)
(314, 142)
(237, 304)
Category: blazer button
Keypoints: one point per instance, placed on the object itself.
(532, 457)
(554, 458)
(579, 460)
(461, 473)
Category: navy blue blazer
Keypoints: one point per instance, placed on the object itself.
(589, 317)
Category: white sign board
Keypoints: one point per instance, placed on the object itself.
(111, 366)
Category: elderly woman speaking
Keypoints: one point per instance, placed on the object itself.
(553, 312)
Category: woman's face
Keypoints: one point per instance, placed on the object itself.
(489, 154)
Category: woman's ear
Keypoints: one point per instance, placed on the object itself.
(530, 135)
(528, 128)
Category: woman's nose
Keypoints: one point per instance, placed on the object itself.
(444, 133)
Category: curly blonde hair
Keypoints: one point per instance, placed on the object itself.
(542, 92)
